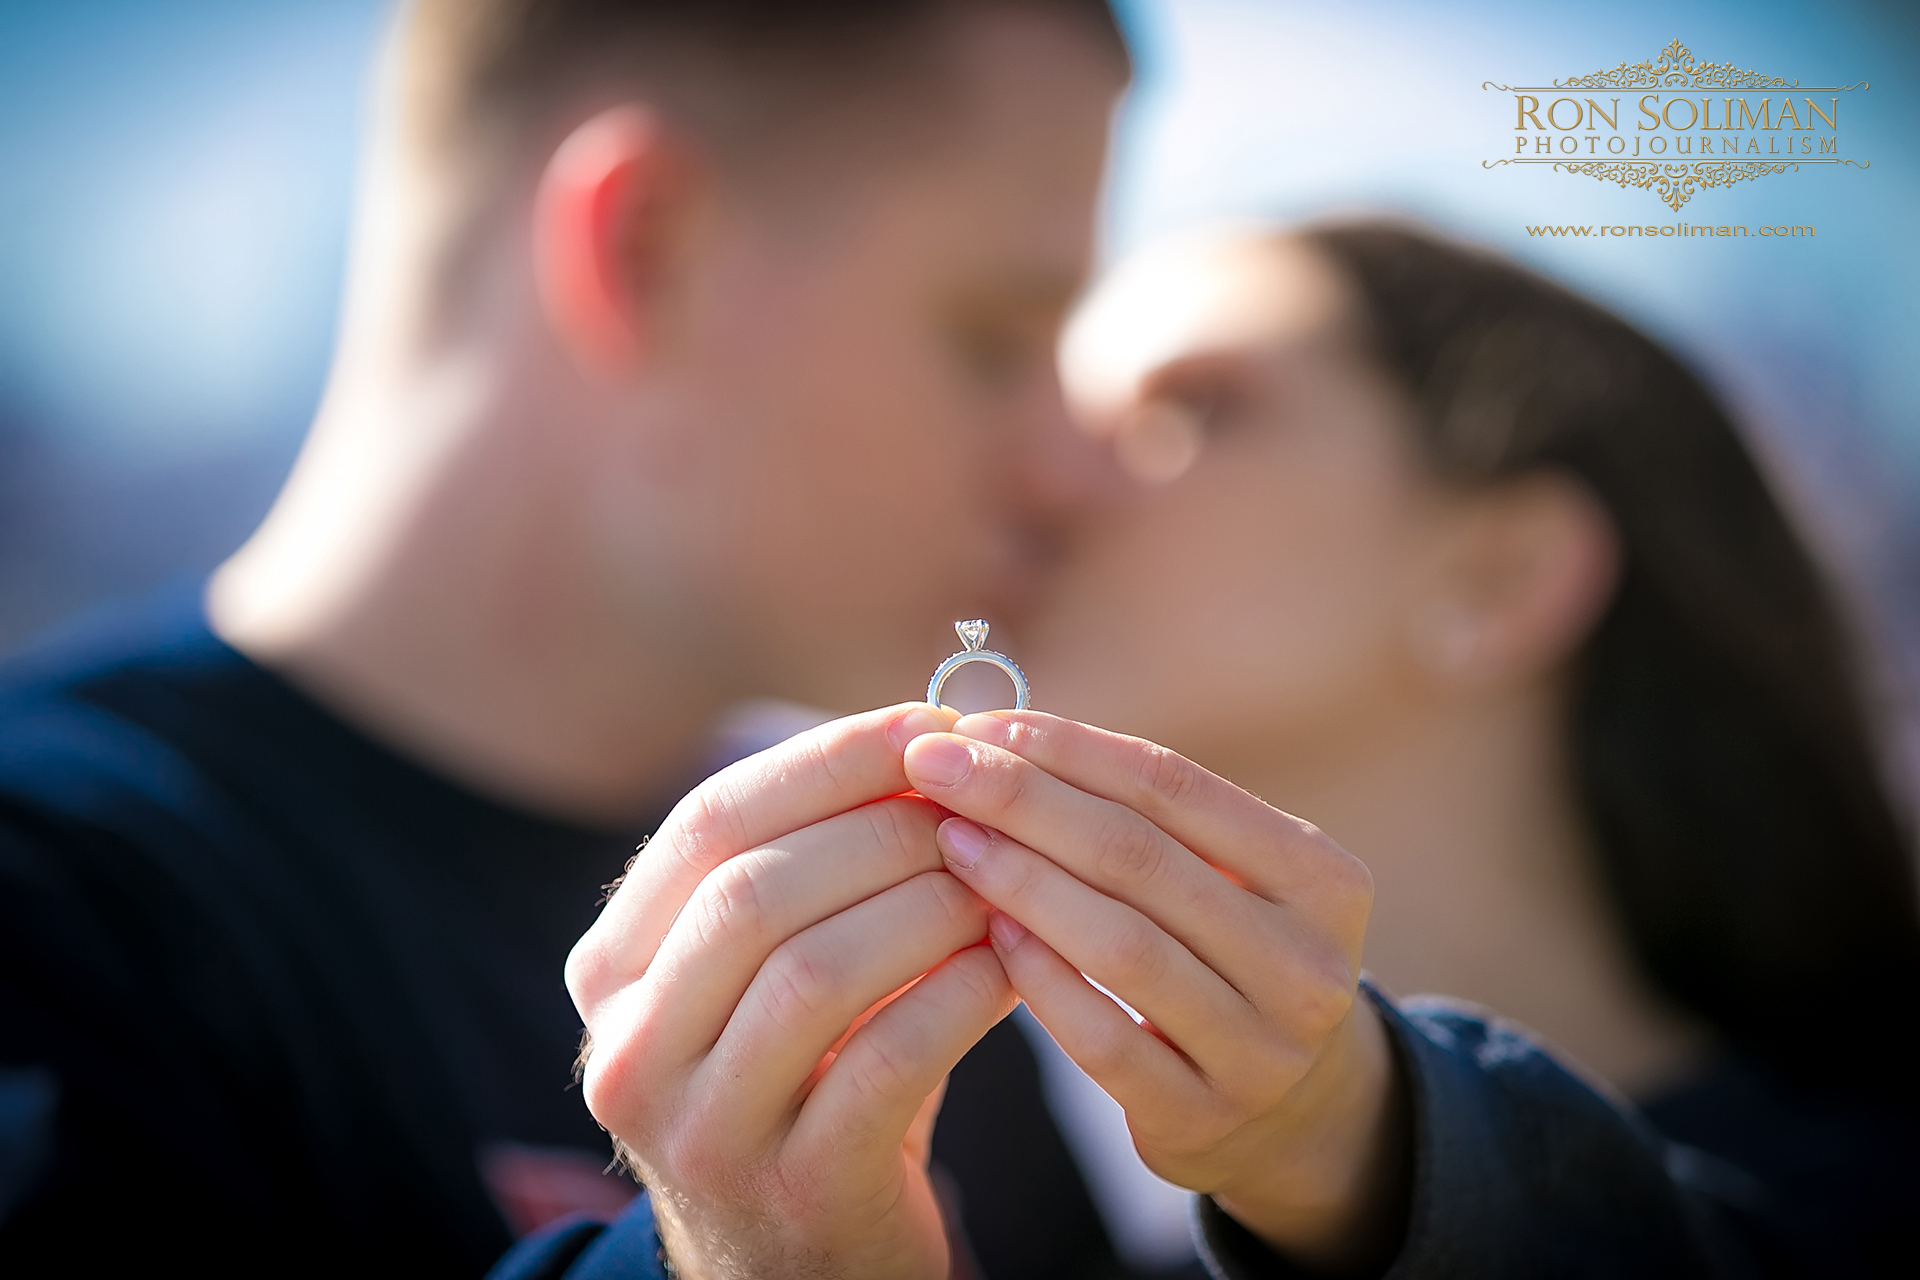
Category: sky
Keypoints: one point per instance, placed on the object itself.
(174, 186)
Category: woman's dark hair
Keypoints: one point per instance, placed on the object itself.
(1720, 740)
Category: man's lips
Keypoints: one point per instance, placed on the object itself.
(1030, 565)
(1011, 597)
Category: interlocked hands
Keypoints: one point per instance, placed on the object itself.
(779, 987)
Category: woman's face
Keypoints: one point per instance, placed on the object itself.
(1253, 592)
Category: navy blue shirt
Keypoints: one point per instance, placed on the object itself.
(291, 990)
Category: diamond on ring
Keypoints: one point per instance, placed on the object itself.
(973, 635)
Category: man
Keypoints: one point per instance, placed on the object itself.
(691, 352)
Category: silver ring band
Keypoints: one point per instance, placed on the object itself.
(973, 634)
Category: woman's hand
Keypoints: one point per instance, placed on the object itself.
(752, 1047)
(1257, 1076)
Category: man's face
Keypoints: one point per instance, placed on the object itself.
(882, 443)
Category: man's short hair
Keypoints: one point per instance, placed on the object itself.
(489, 69)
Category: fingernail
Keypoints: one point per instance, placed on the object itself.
(920, 720)
(941, 761)
(963, 842)
(1007, 932)
(985, 728)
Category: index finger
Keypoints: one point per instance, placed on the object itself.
(1271, 852)
(809, 778)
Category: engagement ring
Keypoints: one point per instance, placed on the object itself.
(973, 634)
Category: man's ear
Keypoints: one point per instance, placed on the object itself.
(1525, 572)
(610, 219)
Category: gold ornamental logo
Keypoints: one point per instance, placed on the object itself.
(1661, 142)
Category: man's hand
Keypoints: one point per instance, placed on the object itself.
(753, 1047)
(1232, 928)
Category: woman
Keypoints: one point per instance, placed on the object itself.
(1484, 582)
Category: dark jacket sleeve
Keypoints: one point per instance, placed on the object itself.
(1520, 1168)
(628, 1248)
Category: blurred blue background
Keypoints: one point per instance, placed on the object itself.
(175, 181)
(174, 186)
